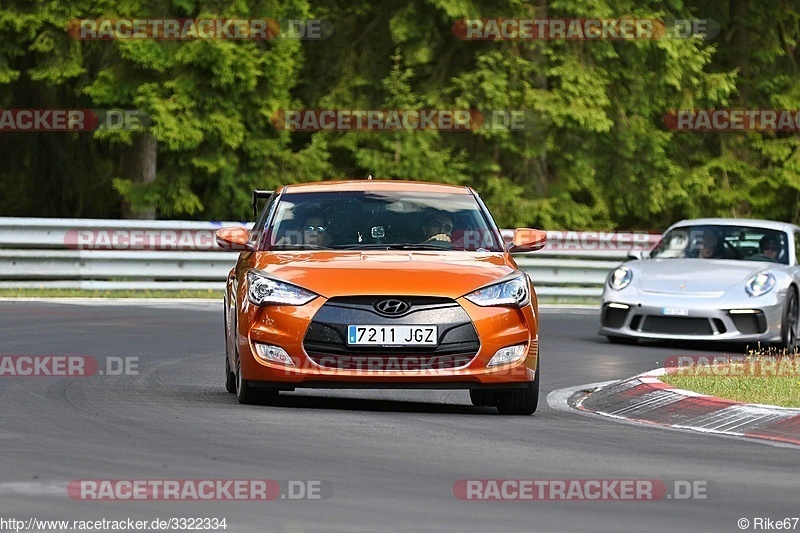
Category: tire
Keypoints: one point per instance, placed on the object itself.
(791, 313)
(230, 377)
(519, 401)
(481, 397)
(244, 392)
(629, 341)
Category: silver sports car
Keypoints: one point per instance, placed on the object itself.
(712, 279)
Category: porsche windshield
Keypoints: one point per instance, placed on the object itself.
(724, 242)
(381, 220)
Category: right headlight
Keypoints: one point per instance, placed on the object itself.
(761, 283)
(262, 290)
(620, 278)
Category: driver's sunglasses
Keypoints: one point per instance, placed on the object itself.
(318, 229)
(771, 248)
(444, 227)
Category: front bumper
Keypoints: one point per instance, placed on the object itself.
(457, 364)
(698, 319)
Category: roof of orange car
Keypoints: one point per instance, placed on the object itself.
(376, 185)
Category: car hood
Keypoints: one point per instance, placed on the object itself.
(449, 274)
(695, 276)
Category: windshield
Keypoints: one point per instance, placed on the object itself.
(724, 242)
(381, 220)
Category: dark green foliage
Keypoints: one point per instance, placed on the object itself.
(595, 152)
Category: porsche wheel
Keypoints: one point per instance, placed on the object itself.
(791, 314)
(519, 401)
(613, 339)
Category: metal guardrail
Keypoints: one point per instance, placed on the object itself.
(180, 255)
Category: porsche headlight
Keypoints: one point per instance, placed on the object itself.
(620, 278)
(263, 291)
(512, 292)
(759, 284)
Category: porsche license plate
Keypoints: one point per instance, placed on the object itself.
(366, 335)
(675, 311)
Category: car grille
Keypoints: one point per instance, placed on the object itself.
(677, 325)
(750, 324)
(391, 362)
(614, 317)
(325, 341)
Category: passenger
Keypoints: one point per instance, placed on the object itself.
(315, 231)
(438, 228)
(711, 248)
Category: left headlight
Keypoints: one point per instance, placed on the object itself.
(512, 292)
(620, 278)
(761, 283)
(262, 290)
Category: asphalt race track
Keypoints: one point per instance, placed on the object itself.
(388, 459)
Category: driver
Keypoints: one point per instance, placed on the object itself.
(770, 247)
(438, 228)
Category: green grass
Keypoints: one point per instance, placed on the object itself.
(78, 293)
(777, 390)
(770, 377)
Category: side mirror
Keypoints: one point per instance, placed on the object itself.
(234, 238)
(527, 240)
(638, 254)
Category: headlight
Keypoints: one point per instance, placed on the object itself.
(512, 292)
(262, 291)
(760, 284)
(620, 278)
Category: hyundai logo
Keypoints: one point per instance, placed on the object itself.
(392, 307)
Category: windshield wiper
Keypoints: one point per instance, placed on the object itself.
(393, 246)
(289, 246)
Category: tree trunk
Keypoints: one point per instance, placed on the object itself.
(140, 167)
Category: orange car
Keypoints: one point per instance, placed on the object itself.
(376, 284)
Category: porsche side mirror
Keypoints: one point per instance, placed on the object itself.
(638, 254)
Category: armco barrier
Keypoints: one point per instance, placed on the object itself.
(175, 255)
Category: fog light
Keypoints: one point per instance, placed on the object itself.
(507, 355)
(273, 354)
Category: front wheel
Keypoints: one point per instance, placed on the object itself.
(246, 394)
(230, 377)
(481, 397)
(519, 401)
(613, 339)
(791, 313)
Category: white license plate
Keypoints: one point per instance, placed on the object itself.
(675, 311)
(361, 335)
